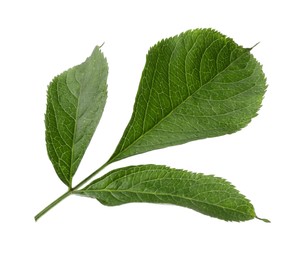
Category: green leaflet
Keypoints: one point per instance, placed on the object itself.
(206, 194)
(75, 102)
(196, 85)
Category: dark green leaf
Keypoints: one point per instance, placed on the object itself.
(206, 194)
(196, 85)
(75, 102)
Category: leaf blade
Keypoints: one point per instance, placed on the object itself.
(75, 102)
(196, 85)
(206, 194)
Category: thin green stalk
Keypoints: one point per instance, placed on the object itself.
(53, 204)
(90, 176)
(69, 192)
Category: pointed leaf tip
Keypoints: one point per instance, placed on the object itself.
(249, 49)
(100, 46)
(263, 219)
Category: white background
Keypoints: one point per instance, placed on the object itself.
(40, 39)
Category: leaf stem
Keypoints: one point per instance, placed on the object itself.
(70, 191)
(53, 204)
(90, 176)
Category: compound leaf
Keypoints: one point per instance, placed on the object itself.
(75, 102)
(196, 85)
(206, 194)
